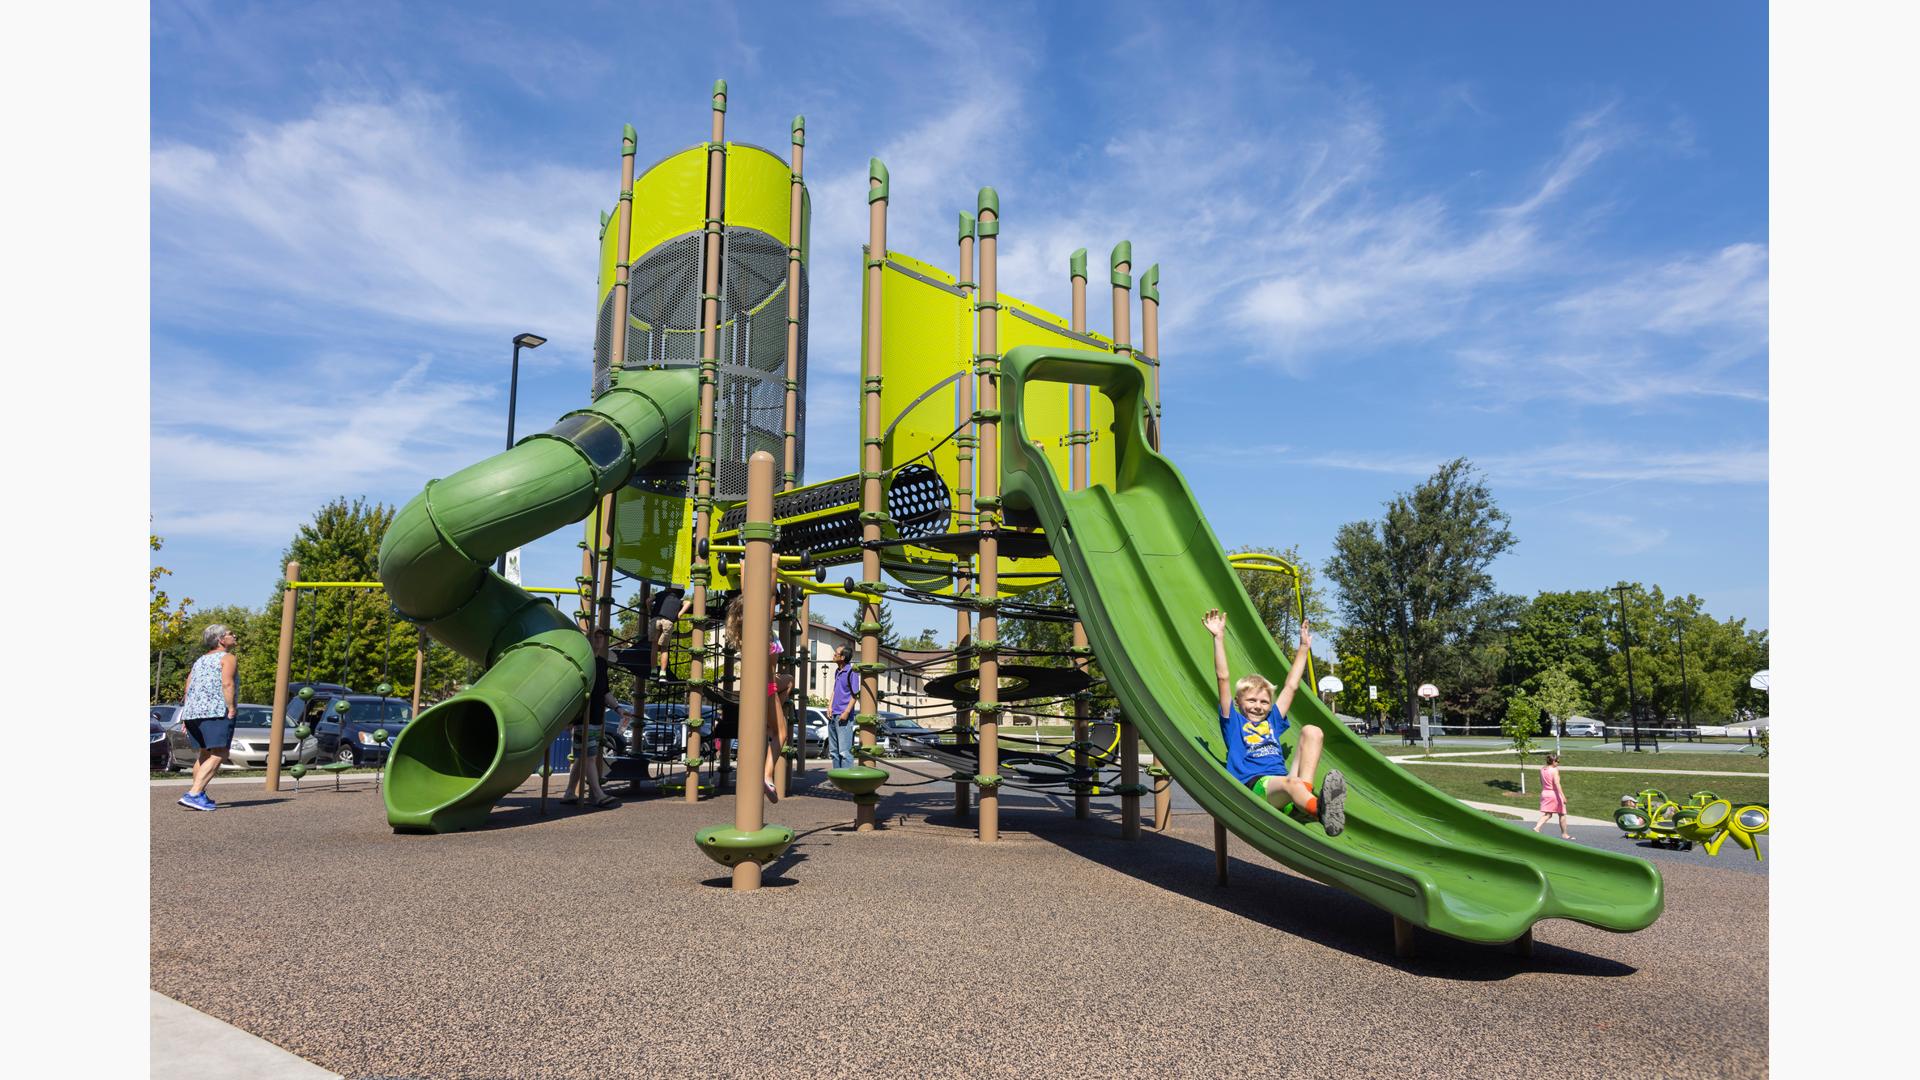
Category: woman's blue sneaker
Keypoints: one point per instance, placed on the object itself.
(190, 801)
(208, 799)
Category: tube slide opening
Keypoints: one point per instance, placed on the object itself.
(450, 749)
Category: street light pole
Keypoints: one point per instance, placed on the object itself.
(524, 341)
(1686, 700)
(1626, 639)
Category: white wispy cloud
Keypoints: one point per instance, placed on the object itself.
(1621, 534)
(1556, 463)
(376, 208)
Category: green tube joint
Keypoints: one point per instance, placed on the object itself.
(1122, 256)
(1150, 284)
(628, 139)
(719, 95)
(877, 178)
(967, 226)
(1077, 264)
(989, 200)
(799, 131)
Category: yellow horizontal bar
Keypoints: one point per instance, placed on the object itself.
(378, 585)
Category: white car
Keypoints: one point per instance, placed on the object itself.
(816, 732)
(1583, 726)
(252, 742)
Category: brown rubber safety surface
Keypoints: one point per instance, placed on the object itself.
(600, 943)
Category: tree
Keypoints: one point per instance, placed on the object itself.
(350, 636)
(889, 637)
(1558, 696)
(1520, 724)
(1056, 637)
(1273, 597)
(1417, 578)
(924, 641)
(166, 628)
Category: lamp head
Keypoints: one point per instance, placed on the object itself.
(529, 341)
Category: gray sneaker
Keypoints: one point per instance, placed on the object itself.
(1333, 803)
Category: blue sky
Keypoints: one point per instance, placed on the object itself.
(1533, 235)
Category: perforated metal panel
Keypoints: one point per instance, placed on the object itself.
(663, 330)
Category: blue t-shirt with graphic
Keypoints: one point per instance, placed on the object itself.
(1254, 750)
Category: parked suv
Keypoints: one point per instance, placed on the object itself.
(1581, 725)
(347, 735)
(320, 689)
(663, 735)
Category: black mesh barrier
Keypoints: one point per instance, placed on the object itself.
(825, 519)
(663, 330)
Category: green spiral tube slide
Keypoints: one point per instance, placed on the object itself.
(1143, 566)
(458, 758)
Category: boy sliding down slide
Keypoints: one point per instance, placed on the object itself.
(1254, 754)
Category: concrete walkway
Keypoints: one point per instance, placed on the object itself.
(190, 1045)
(1526, 814)
(1410, 759)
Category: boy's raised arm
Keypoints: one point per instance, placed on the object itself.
(1299, 668)
(1216, 624)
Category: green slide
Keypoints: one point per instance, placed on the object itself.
(458, 758)
(1143, 566)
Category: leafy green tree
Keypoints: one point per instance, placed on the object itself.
(1273, 597)
(889, 636)
(924, 640)
(1418, 576)
(1520, 724)
(166, 630)
(1045, 635)
(1557, 695)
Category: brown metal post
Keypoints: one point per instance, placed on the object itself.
(1078, 423)
(756, 592)
(988, 640)
(870, 474)
(419, 670)
(703, 466)
(1121, 265)
(967, 439)
(790, 469)
(1150, 346)
(282, 673)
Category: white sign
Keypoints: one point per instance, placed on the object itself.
(1373, 692)
(513, 566)
(1428, 690)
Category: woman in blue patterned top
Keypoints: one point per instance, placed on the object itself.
(207, 711)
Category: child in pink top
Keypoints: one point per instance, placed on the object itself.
(1553, 800)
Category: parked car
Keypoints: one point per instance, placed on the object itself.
(1581, 726)
(896, 729)
(348, 735)
(295, 706)
(252, 741)
(815, 732)
(159, 754)
(663, 735)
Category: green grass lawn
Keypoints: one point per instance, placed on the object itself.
(1590, 794)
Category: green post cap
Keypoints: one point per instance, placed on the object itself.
(1122, 253)
(799, 131)
(1077, 264)
(719, 95)
(1150, 284)
(877, 171)
(298, 770)
(380, 735)
(989, 200)
(858, 780)
(384, 689)
(727, 844)
(966, 225)
(306, 693)
(627, 139)
(303, 731)
(342, 705)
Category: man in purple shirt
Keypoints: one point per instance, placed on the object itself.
(846, 692)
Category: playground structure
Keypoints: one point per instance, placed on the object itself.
(1002, 448)
(1705, 819)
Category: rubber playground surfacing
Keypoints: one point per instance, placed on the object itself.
(600, 943)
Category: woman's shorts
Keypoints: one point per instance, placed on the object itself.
(210, 732)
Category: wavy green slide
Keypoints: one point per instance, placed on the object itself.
(1143, 566)
(452, 763)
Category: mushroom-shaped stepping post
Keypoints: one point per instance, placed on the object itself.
(863, 783)
(730, 845)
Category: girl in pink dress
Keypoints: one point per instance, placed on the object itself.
(1553, 800)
